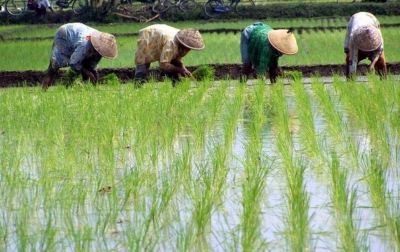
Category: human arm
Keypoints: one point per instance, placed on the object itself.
(84, 60)
(171, 59)
(352, 60)
(175, 66)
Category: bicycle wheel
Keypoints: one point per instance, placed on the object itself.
(244, 7)
(15, 7)
(213, 8)
(188, 5)
(56, 7)
(79, 6)
(161, 6)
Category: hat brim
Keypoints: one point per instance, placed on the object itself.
(191, 39)
(105, 44)
(367, 38)
(283, 41)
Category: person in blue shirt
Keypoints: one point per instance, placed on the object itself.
(81, 48)
(261, 46)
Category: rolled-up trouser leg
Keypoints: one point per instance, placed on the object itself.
(141, 73)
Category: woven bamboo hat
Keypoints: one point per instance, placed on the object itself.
(105, 44)
(283, 40)
(367, 38)
(191, 38)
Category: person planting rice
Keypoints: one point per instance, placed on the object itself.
(364, 40)
(80, 47)
(261, 46)
(168, 46)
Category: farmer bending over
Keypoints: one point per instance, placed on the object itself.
(364, 40)
(80, 47)
(168, 46)
(261, 47)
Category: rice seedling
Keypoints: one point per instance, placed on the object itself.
(204, 165)
(204, 72)
(297, 232)
(344, 201)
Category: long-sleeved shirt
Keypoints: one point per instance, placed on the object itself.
(261, 53)
(158, 43)
(71, 48)
(356, 21)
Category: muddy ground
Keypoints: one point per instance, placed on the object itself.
(222, 71)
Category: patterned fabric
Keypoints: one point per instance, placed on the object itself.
(356, 21)
(244, 42)
(261, 53)
(158, 43)
(71, 48)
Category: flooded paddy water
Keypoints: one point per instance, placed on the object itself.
(202, 167)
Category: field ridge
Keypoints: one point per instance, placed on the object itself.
(222, 71)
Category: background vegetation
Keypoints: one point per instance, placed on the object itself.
(265, 10)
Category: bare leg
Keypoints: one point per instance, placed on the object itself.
(246, 70)
(48, 77)
(380, 66)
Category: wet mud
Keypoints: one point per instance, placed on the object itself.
(222, 71)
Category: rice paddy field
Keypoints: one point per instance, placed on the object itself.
(302, 165)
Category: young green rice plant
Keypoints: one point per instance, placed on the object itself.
(307, 134)
(297, 231)
(374, 114)
(293, 75)
(233, 109)
(204, 73)
(336, 126)
(393, 220)
(344, 202)
(256, 170)
(206, 189)
(375, 173)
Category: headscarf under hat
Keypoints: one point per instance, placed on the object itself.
(367, 38)
(105, 44)
(283, 40)
(191, 38)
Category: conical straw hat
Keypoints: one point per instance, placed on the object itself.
(283, 40)
(105, 44)
(367, 38)
(191, 38)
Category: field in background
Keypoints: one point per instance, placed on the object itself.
(320, 42)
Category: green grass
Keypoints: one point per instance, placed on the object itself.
(313, 49)
(204, 165)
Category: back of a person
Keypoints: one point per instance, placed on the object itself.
(77, 31)
(153, 41)
(363, 18)
(157, 32)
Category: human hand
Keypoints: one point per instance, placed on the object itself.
(371, 68)
(86, 74)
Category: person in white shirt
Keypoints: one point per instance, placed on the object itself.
(364, 40)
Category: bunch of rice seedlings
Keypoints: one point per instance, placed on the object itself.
(111, 78)
(204, 72)
(69, 77)
(293, 75)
